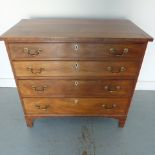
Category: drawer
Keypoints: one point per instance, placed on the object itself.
(71, 51)
(75, 88)
(75, 106)
(75, 68)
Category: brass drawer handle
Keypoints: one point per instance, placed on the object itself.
(116, 70)
(39, 88)
(118, 53)
(35, 70)
(31, 52)
(112, 89)
(44, 108)
(105, 106)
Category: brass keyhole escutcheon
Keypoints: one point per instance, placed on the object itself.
(76, 65)
(76, 47)
(76, 83)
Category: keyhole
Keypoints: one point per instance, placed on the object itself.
(76, 83)
(76, 65)
(76, 47)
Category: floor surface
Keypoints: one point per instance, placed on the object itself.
(77, 136)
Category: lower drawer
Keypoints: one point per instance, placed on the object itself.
(75, 88)
(75, 106)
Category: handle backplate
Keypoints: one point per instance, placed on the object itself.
(44, 108)
(116, 69)
(118, 53)
(35, 70)
(109, 107)
(39, 88)
(111, 88)
(32, 52)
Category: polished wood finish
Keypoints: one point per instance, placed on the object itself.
(75, 30)
(76, 106)
(75, 88)
(76, 67)
(75, 51)
(29, 121)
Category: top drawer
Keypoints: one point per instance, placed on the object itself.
(75, 51)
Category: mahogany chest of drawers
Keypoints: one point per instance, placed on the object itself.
(75, 67)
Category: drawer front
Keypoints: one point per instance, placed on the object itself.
(75, 68)
(71, 51)
(75, 106)
(75, 88)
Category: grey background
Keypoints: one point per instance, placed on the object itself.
(77, 136)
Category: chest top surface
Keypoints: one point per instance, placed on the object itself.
(36, 30)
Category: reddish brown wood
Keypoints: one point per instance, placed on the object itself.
(76, 106)
(75, 68)
(122, 121)
(75, 30)
(29, 121)
(75, 51)
(68, 59)
(75, 88)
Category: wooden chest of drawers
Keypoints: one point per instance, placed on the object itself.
(75, 67)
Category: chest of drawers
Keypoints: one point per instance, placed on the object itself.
(75, 67)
